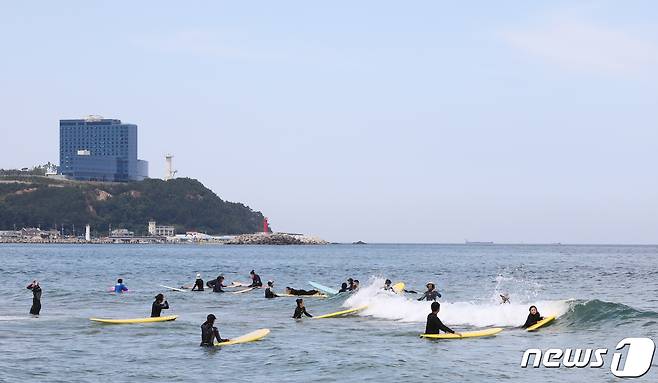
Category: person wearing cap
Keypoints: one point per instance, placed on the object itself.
(300, 309)
(216, 284)
(36, 297)
(198, 283)
(255, 280)
(434, 324)
(268, 291)
(431, 294)
(387, 285)
(209, 332)
(120, 287)
(159, 304)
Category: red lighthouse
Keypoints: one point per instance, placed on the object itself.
(266, 225)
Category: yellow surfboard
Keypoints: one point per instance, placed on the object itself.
(135, 320)
(252, 336)
(398, 287)
(541, 323)
(339, 313)
(466, 334)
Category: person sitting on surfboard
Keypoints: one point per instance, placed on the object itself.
(255, 280)
(291, 291)
(216, 284)
(209, 332)
(300, 309)
(158, 305)
(198, 283)
(431, 294)
(120, 287)
(434, 324)
(533, 317)
(343, 288)
(268, 291)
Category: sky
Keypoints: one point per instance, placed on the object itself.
(381, 121)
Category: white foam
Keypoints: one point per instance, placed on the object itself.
(387, 305)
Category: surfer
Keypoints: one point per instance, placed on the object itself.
(350, 284)
(505, 298)
(255, 280)
(209, 332)
(36, 297)
(343, 288)
(198, 283)
(533, 317)
(300, 309)
(216, 284)
(158, 305)
(355, 286)
(268, 291)
(434, 324)
(120, 287)
(387, 285)
(431, 294)
(291, 291)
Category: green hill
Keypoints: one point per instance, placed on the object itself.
(183, 202)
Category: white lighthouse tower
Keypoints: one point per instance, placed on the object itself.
(170, 173)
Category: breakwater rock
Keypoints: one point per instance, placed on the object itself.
(275, 239)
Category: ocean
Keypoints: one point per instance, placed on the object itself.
(601, 295)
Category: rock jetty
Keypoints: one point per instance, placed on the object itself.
(275, 239)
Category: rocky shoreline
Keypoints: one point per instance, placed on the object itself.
(275, 239)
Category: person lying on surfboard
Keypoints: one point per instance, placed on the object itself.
(434, 324)
(300, 309)
(158, 305)
(268, 291)
(533, 317)
(343, 288)
(120, 287)
(198, 283)
(431, 294)
(291, 291)
(217, 284)
(209, 332)
(255, 280)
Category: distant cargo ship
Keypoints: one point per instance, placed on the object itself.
(478, 242)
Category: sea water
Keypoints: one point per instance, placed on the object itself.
(601, 295)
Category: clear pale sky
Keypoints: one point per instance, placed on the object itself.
(382, 121)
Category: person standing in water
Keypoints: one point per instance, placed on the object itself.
(217, 284)
(36, 297)
(255, 280)
(434, 324)
(158, 305)
(431, 294)
(268, 291)
(120, 287)
(209, 332)
(198, 283)
(300, 309)
(533, 317)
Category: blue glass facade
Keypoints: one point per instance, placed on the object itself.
(100, 150)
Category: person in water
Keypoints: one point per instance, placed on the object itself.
(36, 297)
(209, 332)
(120, 287)
(387, 285)
(300, 309)
(533, 317)
(291, 291)
(355, 286)
(343, 288)
(350, 284)
(216, 284)
(434, 324)
(431, 294)
(255, 280)
(158, 305)
(504, 298)
(198, 283)
(268, 291)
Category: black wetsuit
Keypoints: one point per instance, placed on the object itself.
(215, 285)
(299, 311)
(256, 282)
(532, 319)
(388, 288)
(157, 308)
(302, 292)
(198, 285)
(343, 290)
(269, 293)
(434, 325)
(36, 299)
(430, 296)
(208, 334)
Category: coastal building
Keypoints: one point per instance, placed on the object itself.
(99, 149)
(161, 231)
(121, 233)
